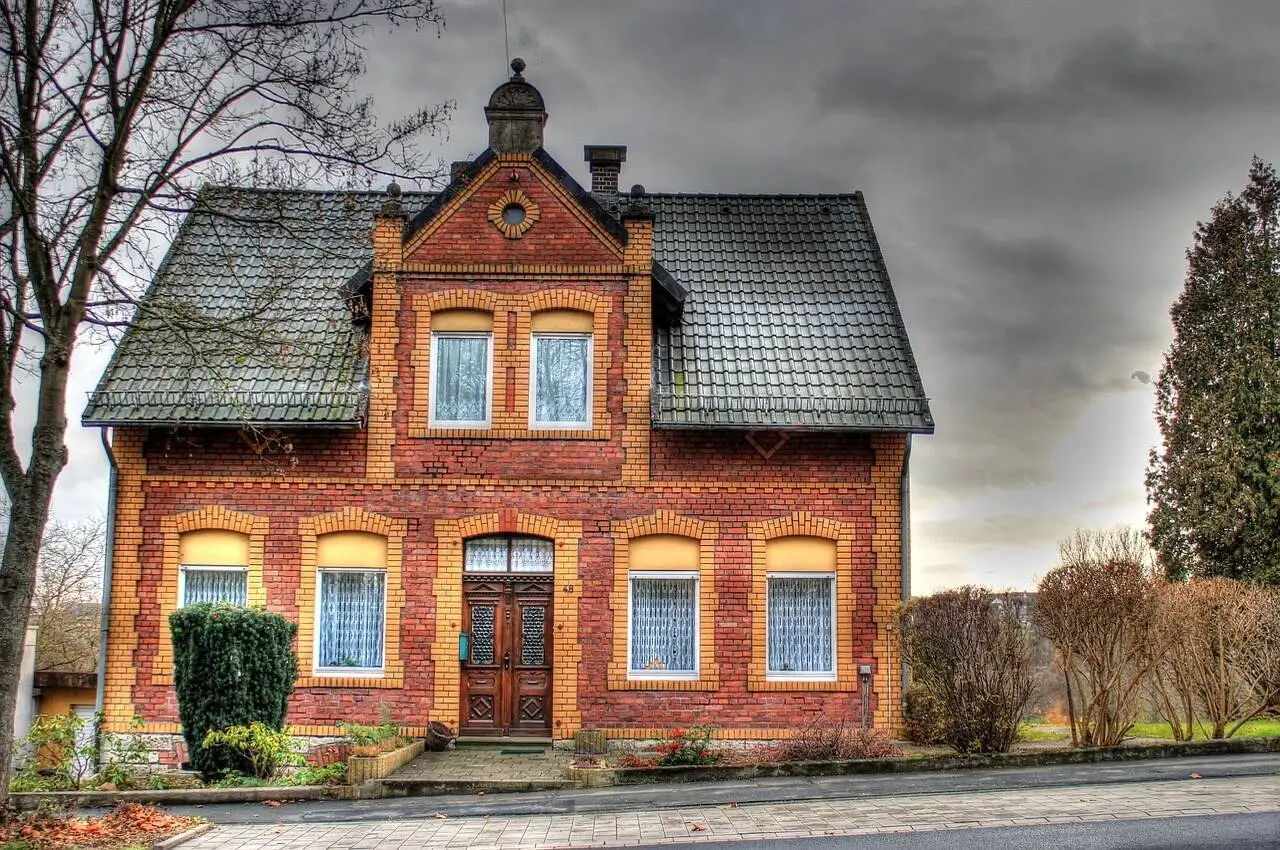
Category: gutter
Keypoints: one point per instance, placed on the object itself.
(108, 559)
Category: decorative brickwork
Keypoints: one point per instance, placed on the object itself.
(215, 517)
(350, 519)
(665, 523)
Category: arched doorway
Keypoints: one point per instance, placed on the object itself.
(507, 592)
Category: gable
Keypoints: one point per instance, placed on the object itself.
(556, 228)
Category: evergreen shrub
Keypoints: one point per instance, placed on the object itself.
(232, 666)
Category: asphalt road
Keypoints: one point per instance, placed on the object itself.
(1238, 832)
(650, 797)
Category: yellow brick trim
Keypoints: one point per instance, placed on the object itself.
(350, 519)
(208, 518)
(566, 653)
(514, 357)
(121, 673)
(638, 344)
(665, 522)
(384, 337)
(802, 524)
(285, 482)
(645, 733)
(523, 271)
(889, 452)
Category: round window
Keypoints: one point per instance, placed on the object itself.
(513, 214)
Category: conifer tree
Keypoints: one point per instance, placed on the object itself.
(1214, 483)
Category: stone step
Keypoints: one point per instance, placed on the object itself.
(441, 787)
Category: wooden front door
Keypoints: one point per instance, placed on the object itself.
(506, 678)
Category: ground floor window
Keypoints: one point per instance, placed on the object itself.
(801, 626)
(351, 618)
(213, 584)
(663, 633)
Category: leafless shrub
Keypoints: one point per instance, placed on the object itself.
(834, 739)
(970, 664)
(1099, 608)
(1224, 648)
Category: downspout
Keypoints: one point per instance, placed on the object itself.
(904, 537)
(108, 558)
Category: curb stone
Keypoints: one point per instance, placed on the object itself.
(182, 837)
(604, 777)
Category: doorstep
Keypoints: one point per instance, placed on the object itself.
(491, 765)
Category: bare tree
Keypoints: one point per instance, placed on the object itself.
(66, 602)
(1224, 648)
(112, 113)
(1099, 608)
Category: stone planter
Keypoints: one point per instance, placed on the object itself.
(362, 769)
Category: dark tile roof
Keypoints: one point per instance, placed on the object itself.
(788, 318)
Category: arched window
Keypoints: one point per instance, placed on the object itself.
(213, 567)
(351, 609)
(800, 624)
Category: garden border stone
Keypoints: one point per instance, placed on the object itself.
(593, 777)
(31, 800)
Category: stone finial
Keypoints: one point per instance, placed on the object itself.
(517, 66)
(637, 206)
(391, 207)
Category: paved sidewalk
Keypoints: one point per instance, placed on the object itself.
(1236, 795)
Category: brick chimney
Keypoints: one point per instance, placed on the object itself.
(605, 162)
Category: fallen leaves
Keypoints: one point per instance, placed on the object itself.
(1195, 776)
(126, 824)
(697, 827)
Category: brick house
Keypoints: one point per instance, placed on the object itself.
(519, 456)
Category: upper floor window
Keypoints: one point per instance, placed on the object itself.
(213, 567)
(561, 369)
(461, 369)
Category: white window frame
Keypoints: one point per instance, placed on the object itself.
(225, 568)
(802, 675)
(662, 675)
(534, 422)
(349, 672)
(432, 420)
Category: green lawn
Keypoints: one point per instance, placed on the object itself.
(1262, 728)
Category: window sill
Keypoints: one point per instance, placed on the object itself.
(600, 432)
(618, 683)
(357, 681)
(755, 683)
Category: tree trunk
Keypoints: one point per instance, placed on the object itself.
(28, 515)
(17, 581)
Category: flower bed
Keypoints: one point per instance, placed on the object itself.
(366, 768)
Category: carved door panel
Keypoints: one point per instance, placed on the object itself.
(506, 678)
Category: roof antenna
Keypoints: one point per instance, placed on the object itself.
(506, 41)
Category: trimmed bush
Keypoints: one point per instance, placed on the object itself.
(232, 666)
(970, 668)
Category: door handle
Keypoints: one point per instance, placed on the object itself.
(506, 661)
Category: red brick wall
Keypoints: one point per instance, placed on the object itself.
(420, 504)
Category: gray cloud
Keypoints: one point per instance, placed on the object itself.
(1034, 172)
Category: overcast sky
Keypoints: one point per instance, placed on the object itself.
(1033, 170)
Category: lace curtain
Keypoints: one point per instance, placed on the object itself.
(562, 383)
(800, 638)
(351, 618)
(662, 624)
(528, 555)
(214, 586)
(461, 379)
